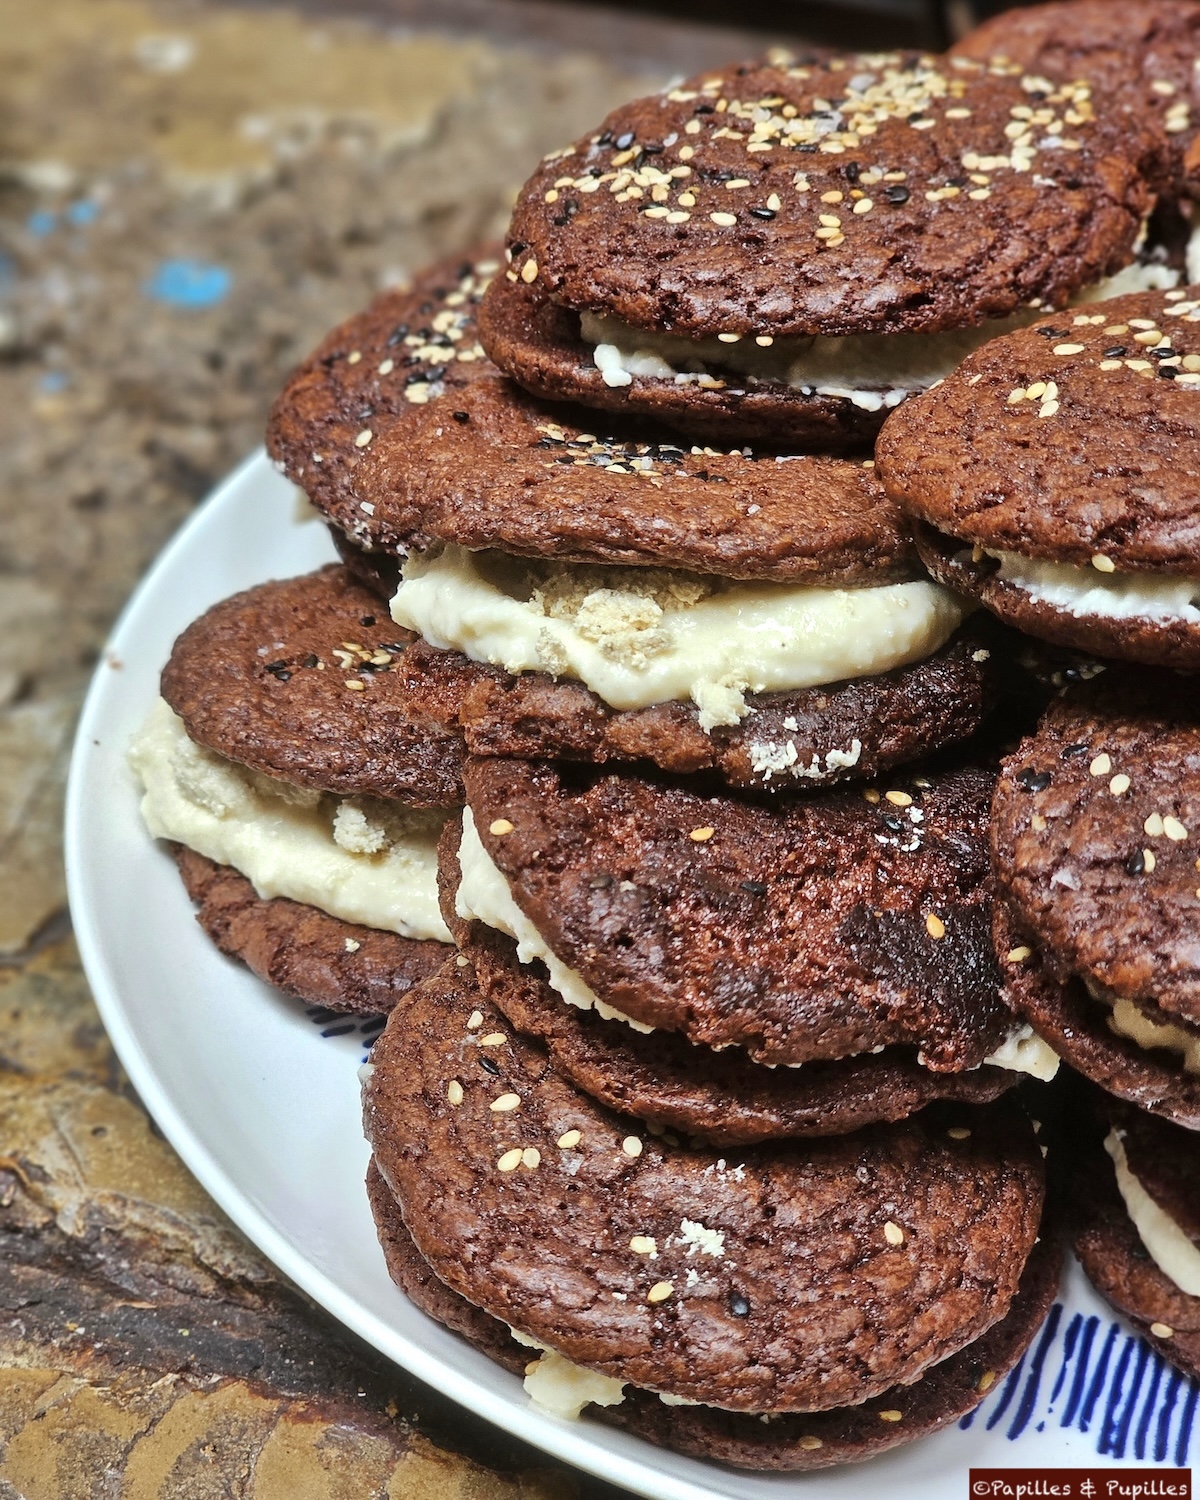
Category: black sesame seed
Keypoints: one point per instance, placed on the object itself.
(309, 661)
(1136, 863)
(517, 246)
(852, 169)
(1116, 352)
(808, 147)
(916, 115)
(466, 270)
(762, 213)
(605, 139)
(704, 109)
(1033, 781)
(279, 669)
(364, 412)
(754, 887)
(739, 1305)
(652, 148)
(1051, 333)
(1164, 353)
(462, 416)
(958, 182)
(1167, 372)
(399, 332)
(600, 881)
(1077, 749)
(366, 620)
(394, 646)
(1072, 184)
(489, 1066)
(623, 142)
(892, 822)
(896, 193)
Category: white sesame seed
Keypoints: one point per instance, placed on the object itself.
(934, 926)
(1119, 785)
(643, 1244)
(1162, 1330)
(454, 1091)
(1037, 390)
(1019, 954)
(725, 221)
(1149, 862)
(631, 1146)
(568, 1139)
(893, 1233)
(505, 1104)
(701, 835)
(475, 1020)
(510, 1161)
(891, 1416)
(659, 1292)
(363, 438)
(1174, 830)
(531, 1157)
(1154, 825)
(354, 356)
(1068, 349)
(959, 1133)
(899, 799)
(493, 1039)
(529, 271)
(499, 827)
(986, 1380)
(1102, 764)
(864, 206)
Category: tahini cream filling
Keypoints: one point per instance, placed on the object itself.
(1128, 1021)
(870, 370)
(362, 859)
(484, 896)
(1168, 1246)
(1165, 597)
(638, 636)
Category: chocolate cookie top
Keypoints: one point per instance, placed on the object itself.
(380, 367)
(322, 960)
(786, 1278)
(669, 1082)
(819, 929)
(814, 1440)
(1142, 55)
(860, 194)
(1073, 440)
(296, 679)
(806, 740)
(507, 471)
(1096, 838)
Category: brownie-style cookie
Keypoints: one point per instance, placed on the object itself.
(1096, 834)
(860, 195)
(788, 1278)
(491, 476)
(815, 1440)
(379, 368)
(303, 951)
(1164, 1163)
(1142, 55)
(1057, 477)
(816, 930)
(812, 737)
(299, 679)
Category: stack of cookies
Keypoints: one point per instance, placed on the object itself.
(641, 684)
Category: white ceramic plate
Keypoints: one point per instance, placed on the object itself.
(264, 1109)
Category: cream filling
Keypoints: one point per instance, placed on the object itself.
(1076, 591)
(362, 859)
(638, 636)
(1167, 1245)
(563, 1388)
(484, 896)
(871, 370)
(1128, 1021)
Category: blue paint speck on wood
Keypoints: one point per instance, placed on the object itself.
(189, 283)
(83, 212)
(41, 222)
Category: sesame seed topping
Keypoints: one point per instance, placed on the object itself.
(1017, 955)
(510, 1161)
(986, 1380)
(475, 1020)
(354, 356)
(891, 1416)
(505, 1104)
(356, 684)
(1067, 349)
(701, 835)
(764, 340)
(1048, 409)
(899, 799)
(631, 1146)
(871, 795)
(1149, 861)
(1119, 785)
(531, 1157)
(811, 1443)
(387, 366)
(1162, 1330)
(1154, 825)
(660, 1291)
(499, 827)
(729, 338)
(1037, 390)
(1102, 764)
(644, 1244)
(363, 438)
(454, 1091)
(725, 221)
(959, 1133)
(1174, 830)
(934, 926)
(863, 206)
(568, 1139)
(493, 1039)
(529, 271)
(893, 1233)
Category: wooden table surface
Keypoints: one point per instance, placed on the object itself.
(190, 196)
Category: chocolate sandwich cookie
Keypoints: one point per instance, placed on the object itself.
(815, 1440)
(721, 1097)
(303, 794)
(301, 950)
(300, 679)
(816, 930)
(812, 737)
(775, 251)
(1056, 477)
(1095, 844)
(378, 368)
(789, 1278)
(1142, 56)
(1138, 1229)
